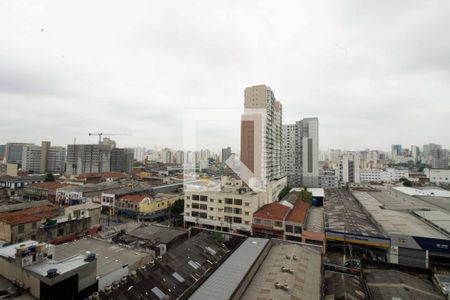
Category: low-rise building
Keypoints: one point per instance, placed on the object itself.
(268, 221)
(49, 223)
(32, 266)
(440, 176)
(228, 205)
(379, 175)
(145, 207)
(42, 191)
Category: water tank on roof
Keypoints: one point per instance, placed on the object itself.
(90, 257)
(52, 273)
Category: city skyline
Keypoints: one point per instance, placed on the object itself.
(137, 75)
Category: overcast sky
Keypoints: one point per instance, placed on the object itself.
(374, 73)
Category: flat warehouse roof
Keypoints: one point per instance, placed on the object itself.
(305, 281)
(344, 214)
(227, 278)
(437, 218)
(396, 222)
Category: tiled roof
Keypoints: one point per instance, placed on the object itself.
(51, 186)
(134, 198)
(102, 175)
(28, 215)
(272, 211)
(298, 213)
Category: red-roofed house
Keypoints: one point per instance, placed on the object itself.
(293, 225)
(42, 191)
(268, 220)
(283, 221)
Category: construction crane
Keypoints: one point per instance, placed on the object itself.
(100, 134)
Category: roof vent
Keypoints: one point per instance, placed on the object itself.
(277, 285)
(133, 273)
(90, 257)
(95, 295)
(123, 280)
(285, 287)
(294, 257)
(108, 289)
(288, 257)
(52, 273)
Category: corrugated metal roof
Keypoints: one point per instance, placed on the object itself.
(224, 281)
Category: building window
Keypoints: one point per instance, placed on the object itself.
(220, 201)
(211, 208)
(228, 219)
(247, 203)
(203, 215)
(257, 221)
(211, 200)
(298, 229)
(247, 213)
(203, 198)
(21, 228)
(195, 197)
(247, 223)
(228, 201)
(203, 206)
(188, 197)
(219, 218)
(237, 202)
(61, 231)
(289, 228)
(187, 206)
(238, 211)
(187, 214)
(211, 217)
(195, 205)
(195, 213)
(228, 209)
(34, 225)
(278, 224)
(267, 222)
(237, 220)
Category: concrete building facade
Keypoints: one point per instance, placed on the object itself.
(88, 158)
(301, 152)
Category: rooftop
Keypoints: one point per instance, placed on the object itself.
(32, 214)
(177, 271)
(228, 277)
(23, 205)
(314, 220)
(298, 213)
(110, 257)
(48, 185)
(304, 282)
(156, 234)
(394, 284)
(396, 222)
(134, 198)
(316, 192)
(343, 286)
(436, 218)
(272, 211)
(431, 192)
(344, 214)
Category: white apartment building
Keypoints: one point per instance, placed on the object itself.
(226, 206)
(301, 152)
(379, 175)
(56, 159)
(328, 181)
(139, 153)
(440, 176)
(31, 159)
(349, 168)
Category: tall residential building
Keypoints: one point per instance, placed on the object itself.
(88, 158)
(122, 160)
(45, 147)
(43, 159)
(226, 153)
(261, 134)
(415, 153)
(139, 153)
(301, 152)
(179, 157)
(31, 159)
(56, 159)
(439, 159)
(14, 151)
(396, 150)
(427, 150)
(166, 156)
(349, 168)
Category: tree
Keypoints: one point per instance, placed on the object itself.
(49, 177)
(177, 207)
(304, 195)
(407, 183)
(283, 192)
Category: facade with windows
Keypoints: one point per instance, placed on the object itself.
(228, 206)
